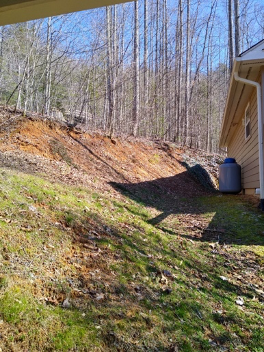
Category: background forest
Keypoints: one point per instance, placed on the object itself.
(152, 68)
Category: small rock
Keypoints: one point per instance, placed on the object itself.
(167, 273)
(260, 292)
(94, 233)
(163, 280)
(212, 343)
(199, 314)
(50, 246)
(66, 303)
(223, 278)
(107, 230)
(33, 209)
(240, 301)
(99, 296)
(137, 288)
(168, 290)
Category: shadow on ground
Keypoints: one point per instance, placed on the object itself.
(189, 196)
(170, 195)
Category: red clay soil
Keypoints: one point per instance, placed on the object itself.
(41, 146)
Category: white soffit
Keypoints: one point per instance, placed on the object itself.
(256, 52)
(14, 11)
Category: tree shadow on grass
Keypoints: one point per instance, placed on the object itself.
(191, 194)
(170, 195)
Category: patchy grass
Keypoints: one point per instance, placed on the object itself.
(86, 271)
(58, 149)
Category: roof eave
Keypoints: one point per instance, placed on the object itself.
(26, 10)
(241, 65)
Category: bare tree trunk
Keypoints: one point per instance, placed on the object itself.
(156, 72)
(208, 32)
(27, 70)
(136, 71)
(210, 82)
(105, 104)
(18, 102)
(208, 98)
(146, 80)
(48, 69)
(230, 34)
(122, 70)
(151, 75)
(2, 40)
(114, 65)
(237, 27)
(187, 78)
(165, 74)
(109, 70)
(178, 70)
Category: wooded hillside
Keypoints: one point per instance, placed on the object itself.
(152, 68)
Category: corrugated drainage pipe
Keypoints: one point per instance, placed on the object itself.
(260, 133)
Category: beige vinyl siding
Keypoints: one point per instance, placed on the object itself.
(246, 152)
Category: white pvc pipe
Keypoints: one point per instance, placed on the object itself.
(260, 133)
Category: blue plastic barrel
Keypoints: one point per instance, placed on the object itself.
(230, 176)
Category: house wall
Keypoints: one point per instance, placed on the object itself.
(246, 151)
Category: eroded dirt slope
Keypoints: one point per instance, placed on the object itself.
(40, 146)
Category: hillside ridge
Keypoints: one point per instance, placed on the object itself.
(40, 145)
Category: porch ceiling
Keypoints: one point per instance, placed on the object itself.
(14, 11)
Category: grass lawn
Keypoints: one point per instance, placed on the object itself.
(89, 271)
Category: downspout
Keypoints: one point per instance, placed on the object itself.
(260, 133)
